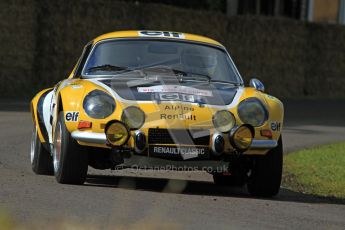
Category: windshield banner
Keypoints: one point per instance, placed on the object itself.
(175, 89)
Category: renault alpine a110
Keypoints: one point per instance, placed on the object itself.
(152, 99)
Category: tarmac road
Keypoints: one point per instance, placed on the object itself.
(139, 199)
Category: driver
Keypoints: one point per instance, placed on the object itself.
(195, 61)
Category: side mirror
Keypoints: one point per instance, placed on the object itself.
(257, 84)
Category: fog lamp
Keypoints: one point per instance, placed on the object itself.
(133, 117)
(223, 121)
(241, 137)
(117, 133)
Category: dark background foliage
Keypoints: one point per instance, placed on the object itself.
(40, 42)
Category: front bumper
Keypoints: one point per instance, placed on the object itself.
(100, 138)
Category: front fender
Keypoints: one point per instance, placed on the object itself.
(69, 99)
(36, 109)
(276, 116)
(275, 110)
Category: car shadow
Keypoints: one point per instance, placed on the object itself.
(205, 188)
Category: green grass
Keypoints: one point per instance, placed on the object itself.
(318, 171)
(6, 221)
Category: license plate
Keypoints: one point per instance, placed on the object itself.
(186, 152)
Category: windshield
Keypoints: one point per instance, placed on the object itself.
(188, 60)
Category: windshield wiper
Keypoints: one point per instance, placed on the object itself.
(185, 74)
(182, 74)
(226, 82)
(107, 68)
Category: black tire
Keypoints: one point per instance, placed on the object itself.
(41, 160)
(70, 166)
(220, 179)
(266, 173)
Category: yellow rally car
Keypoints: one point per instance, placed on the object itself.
(159, 100)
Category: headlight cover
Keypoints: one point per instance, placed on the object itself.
(223, 121)
(133, 117)
(98, 104)
(251, 111)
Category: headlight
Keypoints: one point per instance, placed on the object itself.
(223, 121)
(98, 104)
(133, 117)
(241, 137)
(252, 112)
(117, 133)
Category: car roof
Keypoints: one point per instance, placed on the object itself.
(156, 34)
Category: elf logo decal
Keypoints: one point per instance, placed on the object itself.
(161, 34)
(72, 116)
(275, 126)
(176, 97)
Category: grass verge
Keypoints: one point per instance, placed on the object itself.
(318, 171)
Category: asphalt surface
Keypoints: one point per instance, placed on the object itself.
(146, 199)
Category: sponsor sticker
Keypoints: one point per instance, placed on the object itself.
(275, 126)
(176, 97)
(175, 89)
(180, 151)
(77, 86)
(182, 116)
(161, 34)
(72, 116)
(271, 97)
(177, 107)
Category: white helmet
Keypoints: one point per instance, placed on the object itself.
(194, 60)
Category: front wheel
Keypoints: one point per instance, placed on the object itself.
(266, 173)
(69, 158)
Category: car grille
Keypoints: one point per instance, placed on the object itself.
(179, 136)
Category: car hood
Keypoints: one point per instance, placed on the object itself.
(193, 92)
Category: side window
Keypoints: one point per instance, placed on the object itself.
(82, 59)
